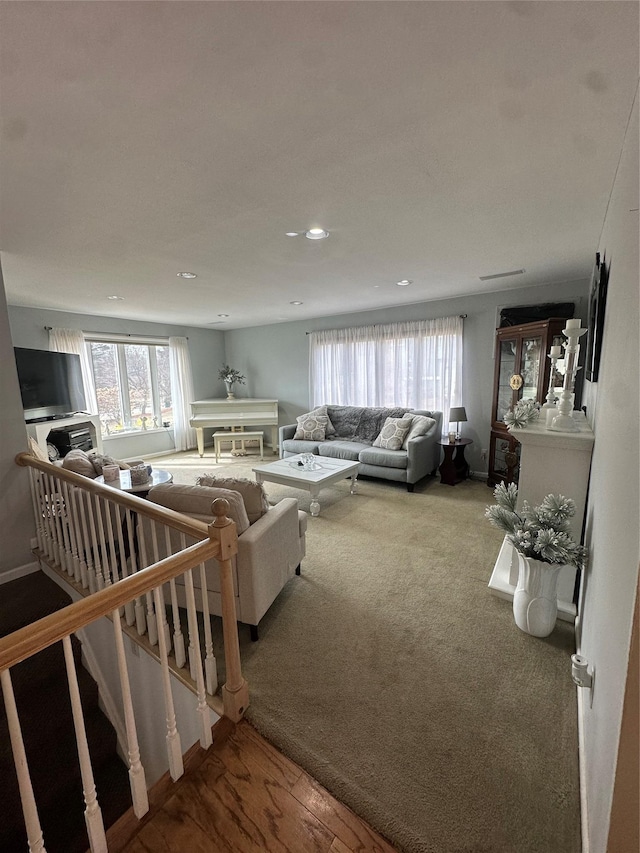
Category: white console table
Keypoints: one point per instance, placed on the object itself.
(550, 463)
(40, 431)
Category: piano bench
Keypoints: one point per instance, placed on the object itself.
(219, 437)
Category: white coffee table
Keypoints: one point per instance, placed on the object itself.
(287, 472)
(124, 483)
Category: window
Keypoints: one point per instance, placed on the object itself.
(133, 385)
(414, 364)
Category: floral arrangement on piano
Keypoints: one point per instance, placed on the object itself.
(230, 377)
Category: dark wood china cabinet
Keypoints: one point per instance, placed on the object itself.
(521, 372)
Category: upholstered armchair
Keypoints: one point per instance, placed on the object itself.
(271, 542)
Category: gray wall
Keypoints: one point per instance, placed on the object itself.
(275, 358)
(206, 347)
(613, 511)
(16, 513)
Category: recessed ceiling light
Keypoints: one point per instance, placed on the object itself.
(223, 315)
(404, 282)
(316, 234)
(292, 233)
(187, 275)
(296, 303)
(116, 298)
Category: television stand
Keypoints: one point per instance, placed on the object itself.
(40, 430)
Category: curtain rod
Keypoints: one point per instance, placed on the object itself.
(115, 335)
(462, 317)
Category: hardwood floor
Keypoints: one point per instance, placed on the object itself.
(248, 798)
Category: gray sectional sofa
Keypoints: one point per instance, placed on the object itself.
(352, 433)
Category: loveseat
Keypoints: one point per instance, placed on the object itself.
(271, 542)
(390, 443)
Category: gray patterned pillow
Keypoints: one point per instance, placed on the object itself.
(393, 433)
(311, 427)
(322, 410)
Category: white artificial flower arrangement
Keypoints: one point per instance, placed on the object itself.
(228, 374)
(523, 413)
(540, 532)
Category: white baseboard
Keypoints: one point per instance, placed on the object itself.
(19, 572)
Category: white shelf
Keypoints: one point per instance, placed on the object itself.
(40, 431)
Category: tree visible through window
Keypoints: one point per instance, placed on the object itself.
(133, 386)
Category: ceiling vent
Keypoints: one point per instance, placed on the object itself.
(501, 275)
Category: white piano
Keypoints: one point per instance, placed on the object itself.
(238, 412)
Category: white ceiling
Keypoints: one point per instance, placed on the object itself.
(436, 141)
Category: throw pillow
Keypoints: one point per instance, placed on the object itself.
(99, 460)
(311, 427)
(322, 410)
(196, 501)
(80, 463)
(420, 425)
(393, 433)
(253, 494)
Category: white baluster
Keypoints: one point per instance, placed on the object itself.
(152, 627)
(112, 576)
(58, 548)
(137, 778)
(178, 638)
(96, 580)
(86, 563)
(29, 808)
(65, 524)
(161, 613)
(48, 515)
(74, 565)
(92, 812)
(102, 573)
(133, 612)
(37, 514)
(210, 666)
(204, 717)
(174, 750)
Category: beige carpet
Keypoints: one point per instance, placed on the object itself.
(389, 672)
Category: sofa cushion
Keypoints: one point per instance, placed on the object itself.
(291, 445)
(338, 449)
(311, 427)
(253, 494)
(393, 433)
(420, 425)
(80, 463)
(195, 501)
(384, 458)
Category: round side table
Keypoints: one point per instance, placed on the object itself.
(455, 467)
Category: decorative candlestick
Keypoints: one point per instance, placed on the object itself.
(563, 422)
(553, 356)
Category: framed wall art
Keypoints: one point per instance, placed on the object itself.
(597, 305)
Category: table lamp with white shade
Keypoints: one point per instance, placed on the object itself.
(457, 414)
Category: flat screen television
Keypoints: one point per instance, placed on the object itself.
(50, 383)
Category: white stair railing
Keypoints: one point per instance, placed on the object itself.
(99, 538)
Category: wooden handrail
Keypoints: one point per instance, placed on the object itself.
(31, 639)
(161, 514)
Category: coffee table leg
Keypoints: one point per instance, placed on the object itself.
(354, 484)
(315, 503)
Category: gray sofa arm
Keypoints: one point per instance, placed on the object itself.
(268, 554)
(285, 432)
(423, 452)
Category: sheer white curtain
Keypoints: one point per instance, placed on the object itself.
(181, 393)
(416, 364)
(72, 340)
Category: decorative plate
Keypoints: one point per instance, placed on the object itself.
(314, 467)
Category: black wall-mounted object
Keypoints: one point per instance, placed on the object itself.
(597, 305)
(534, 313)
(50, 383)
